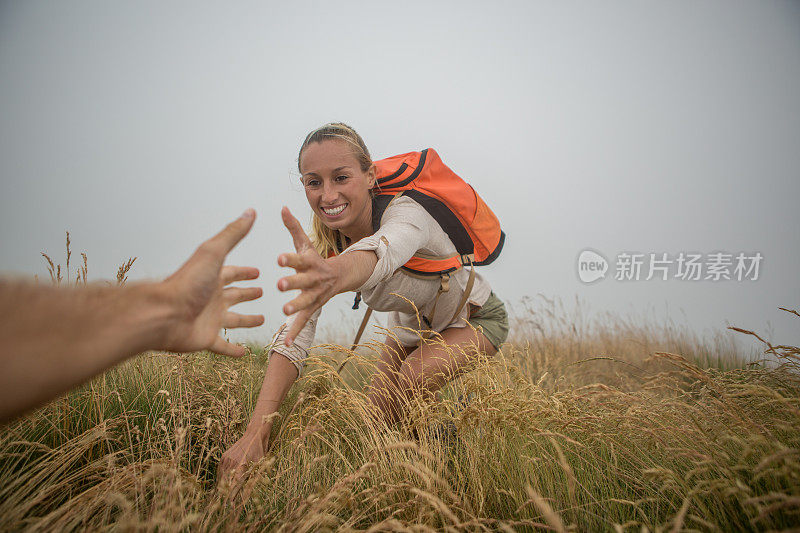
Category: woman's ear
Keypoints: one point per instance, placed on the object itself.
(371, 176)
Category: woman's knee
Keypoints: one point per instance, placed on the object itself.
(415, 378)
(387, 399)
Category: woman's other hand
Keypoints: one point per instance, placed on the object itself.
(249, 449)
(315, 277)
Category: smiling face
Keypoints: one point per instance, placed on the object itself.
(337, 188)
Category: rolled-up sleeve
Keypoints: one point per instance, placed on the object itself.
(404, 229)
(298, 351)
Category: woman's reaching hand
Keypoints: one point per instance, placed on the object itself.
(315, 277)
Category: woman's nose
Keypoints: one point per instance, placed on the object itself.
(329, 193)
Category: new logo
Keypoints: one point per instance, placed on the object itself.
(591, 266)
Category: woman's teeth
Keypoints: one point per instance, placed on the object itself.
(334, 211)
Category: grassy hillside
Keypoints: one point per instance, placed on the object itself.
(580, 423)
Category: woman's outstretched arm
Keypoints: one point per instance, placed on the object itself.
(318, 279)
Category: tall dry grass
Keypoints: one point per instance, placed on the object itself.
(580, 423)
(58, 278)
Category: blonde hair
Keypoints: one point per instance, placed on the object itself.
(322, 237)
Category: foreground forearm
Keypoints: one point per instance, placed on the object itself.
(54, 339)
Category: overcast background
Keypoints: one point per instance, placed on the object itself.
(142, 128)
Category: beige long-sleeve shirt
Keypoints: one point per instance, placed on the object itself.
(405, 229)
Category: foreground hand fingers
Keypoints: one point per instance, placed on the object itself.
(297, 326)
(224, 241)
(223, 347)
(232, 273)
(235, 295)
(236, 320)
(301, 240)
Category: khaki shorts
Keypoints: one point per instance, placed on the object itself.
(492, 319)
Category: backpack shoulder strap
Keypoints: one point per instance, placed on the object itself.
(379, 204)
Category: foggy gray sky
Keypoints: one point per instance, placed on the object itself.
(142, 128)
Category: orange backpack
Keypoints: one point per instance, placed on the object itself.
(462, 214)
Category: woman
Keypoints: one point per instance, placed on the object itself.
(338, 176)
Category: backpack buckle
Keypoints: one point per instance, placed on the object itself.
(445, 283)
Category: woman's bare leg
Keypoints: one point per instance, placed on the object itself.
(431, 366)
(385, 382)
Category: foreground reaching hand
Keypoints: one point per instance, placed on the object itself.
(315, 277)
(53, 339)
(199, 291)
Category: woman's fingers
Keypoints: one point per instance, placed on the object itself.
(236, 320)
(235, 295)
(301, 240)
(298, 281)
(306, 259)
(303, 301)
(231, 476)
(292, 260)
(231, 273)
(229, 468)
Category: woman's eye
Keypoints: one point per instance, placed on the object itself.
(312, 183)
(341, 178)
